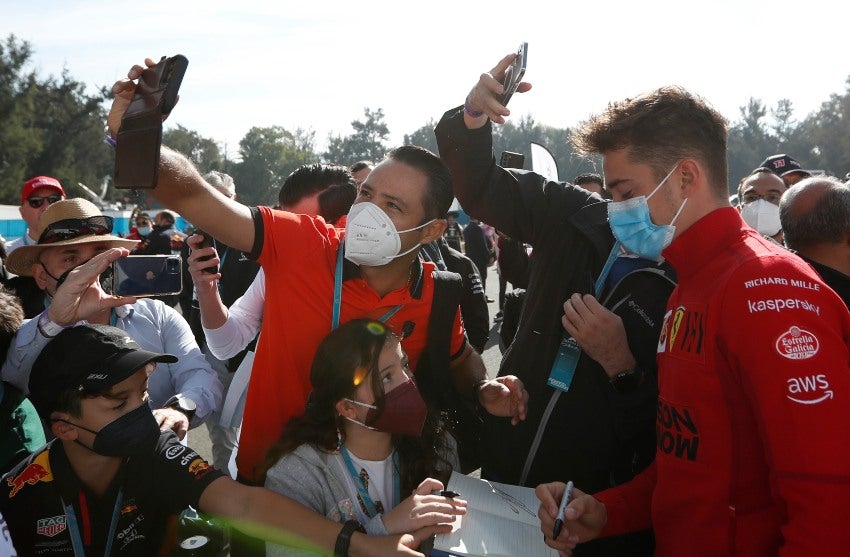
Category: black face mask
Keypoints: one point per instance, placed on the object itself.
(133, 434)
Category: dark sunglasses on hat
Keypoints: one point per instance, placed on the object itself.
(67, 229)
(36, 202)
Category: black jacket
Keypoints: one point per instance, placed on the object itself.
(593, 435)
(473, 302)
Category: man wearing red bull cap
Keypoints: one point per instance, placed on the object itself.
(36, 196)
(110, 481)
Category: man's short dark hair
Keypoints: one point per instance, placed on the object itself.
(167, 216)
(827, 220)
(310, 179)
(755, 172)
(439, 197)
(661, 128)
(589, 178)
(360, 165)
(336, 200)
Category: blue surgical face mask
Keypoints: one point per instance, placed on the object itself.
(632, 225)
(144, 230)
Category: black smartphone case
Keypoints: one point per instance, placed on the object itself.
(140, 136)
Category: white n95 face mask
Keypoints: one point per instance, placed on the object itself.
(371, 238)
(763, 216)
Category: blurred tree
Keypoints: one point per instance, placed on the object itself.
(202, 151)
(50, 126)
(423, 137)
(367, 142)
(269, 155)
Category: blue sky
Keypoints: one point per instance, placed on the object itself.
(316, 65)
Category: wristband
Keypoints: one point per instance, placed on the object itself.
(343, 539)
(182, 404)
(627, 381)
(108, 139)
(48, 328)
(472, 113)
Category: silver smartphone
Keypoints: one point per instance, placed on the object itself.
(147, 275)
(514, 73)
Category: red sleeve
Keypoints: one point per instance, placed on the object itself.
(786, 340)
(458, 342)
(292, 237)
(629, 505)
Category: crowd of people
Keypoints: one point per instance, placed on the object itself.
(677, 355)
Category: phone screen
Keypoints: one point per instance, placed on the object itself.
(514, 73)
(147, 275)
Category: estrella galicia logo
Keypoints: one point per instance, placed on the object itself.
(797, 344)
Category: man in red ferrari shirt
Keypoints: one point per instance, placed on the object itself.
(753, 415)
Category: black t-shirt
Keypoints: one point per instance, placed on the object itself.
(153, 488)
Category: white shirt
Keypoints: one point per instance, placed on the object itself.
(156, 327)
(244, 319)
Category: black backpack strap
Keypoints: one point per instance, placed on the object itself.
(434, 377)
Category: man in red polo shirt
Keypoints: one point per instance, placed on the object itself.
(400, 206)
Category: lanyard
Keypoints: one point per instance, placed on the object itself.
(74, 529)
(566, 359)
(603, 275)
(371, 509)
(338, 293)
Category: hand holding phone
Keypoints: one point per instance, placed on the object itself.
(514, 73)
(206, 242)
(140, 136)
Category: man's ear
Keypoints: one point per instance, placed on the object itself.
(40, 275)
(61, 429)
(433, 230)
(692, 173)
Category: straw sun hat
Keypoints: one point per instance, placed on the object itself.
(66, 222)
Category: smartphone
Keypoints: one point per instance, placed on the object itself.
(159, 84)
(206, 242)
(512, 160)
(514, 73)
(147, 275)
(140, 136)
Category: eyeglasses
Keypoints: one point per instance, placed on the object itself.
(67, 229)
(751, 197)
(36, 202)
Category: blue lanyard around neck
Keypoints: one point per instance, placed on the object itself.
(338, 293)
(371, 509)
(74, 528)
(603, 275)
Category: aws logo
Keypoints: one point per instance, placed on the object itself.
(811, 389)
(683, 333)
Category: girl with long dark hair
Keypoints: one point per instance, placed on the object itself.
(365, 439)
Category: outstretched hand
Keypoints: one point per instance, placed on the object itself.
(423, 509)
(204, 280)
(486, 95)
(80, 296)
(584, 517)
(599, 332)
(123, 90)
(504, 396)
